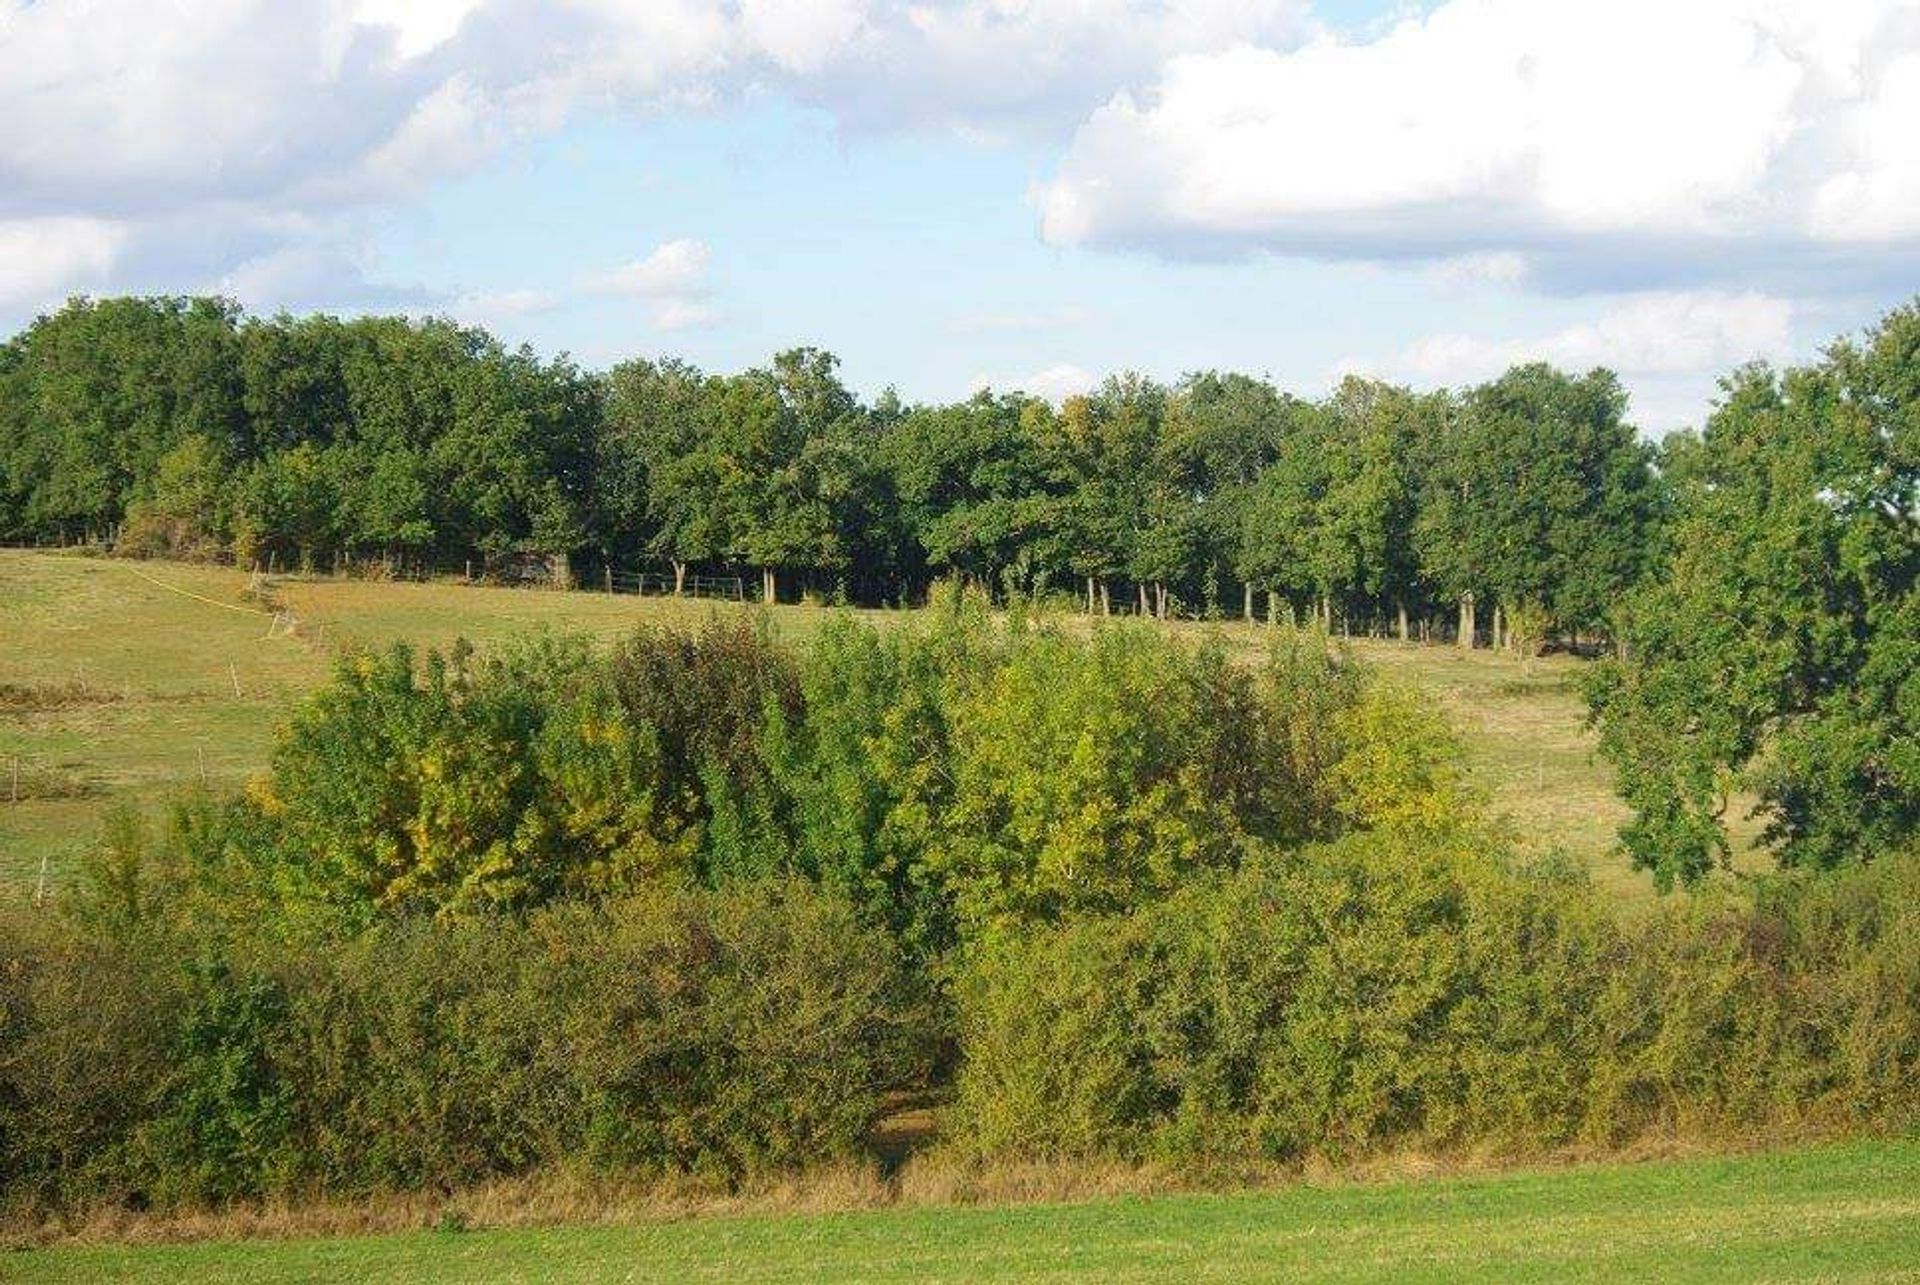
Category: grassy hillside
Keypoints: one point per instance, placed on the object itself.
(170, 675)
(1833, 1214)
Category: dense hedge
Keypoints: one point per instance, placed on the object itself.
(159, 1061)
(1391, 990)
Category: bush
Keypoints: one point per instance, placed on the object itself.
(462, 785)
(718, 1034)
(1390, 990)
(1092, 776)
(951, 779)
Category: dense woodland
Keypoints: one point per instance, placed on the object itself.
(188, 429)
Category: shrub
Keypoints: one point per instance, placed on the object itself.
(1391, 989)
(706, 699)
(950, 778)
(865, 777)
(464, 785)
(1090, 777)
(712, 1033)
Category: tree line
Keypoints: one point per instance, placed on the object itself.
(1756, 578)
(183, 427)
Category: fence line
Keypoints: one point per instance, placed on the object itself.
(645, 583)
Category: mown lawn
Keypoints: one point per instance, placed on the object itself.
(198, 690)
(1837, 1213)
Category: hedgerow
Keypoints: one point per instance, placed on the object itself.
(699, 906)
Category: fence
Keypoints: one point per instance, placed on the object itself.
(643, 583)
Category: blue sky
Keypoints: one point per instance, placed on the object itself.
(1016, 192)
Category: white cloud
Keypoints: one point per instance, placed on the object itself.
(1514, 127)
(1484, 266)
(1030, 68)
(490, 307)
(1652, 334)
(259, 134)
(802, 35)
(672, 278)
(446, 131)
(671, 268)
(1503, 140)
(418, 26)
(1877, 197)
(49, 257)
(683, 314)
(1669, 347)
(121, 108)
(316, 275)
(1056, 383)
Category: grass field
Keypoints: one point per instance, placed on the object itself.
(184, 685)
(1831, 1214)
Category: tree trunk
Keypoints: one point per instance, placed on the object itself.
(1160, 601)
(1246, 603)
(1145, 610)
(769, 586)
(679, 578)
(1106, 598)
(1401, 608)
(1499, 627)
(1467, 622)
(1090, 596)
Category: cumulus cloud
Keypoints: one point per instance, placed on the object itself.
(672, 279)
(491, 307)
(1024, 68)
(270, 125)
(45, 258)
(418, 26)
(802, 35)
(124, 109)
(1514, 128)
(324, 276)
(671, 268)
(1582, 145)
(1669, 347)
(1653, 334)
(1056, 383)
(1484, 266)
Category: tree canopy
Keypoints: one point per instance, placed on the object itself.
(190, 429)
(1776, 649)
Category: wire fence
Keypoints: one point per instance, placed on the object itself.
(653, 584)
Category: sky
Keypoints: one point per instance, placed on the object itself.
(1008, 193)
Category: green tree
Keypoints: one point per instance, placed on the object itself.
(1778, 646)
